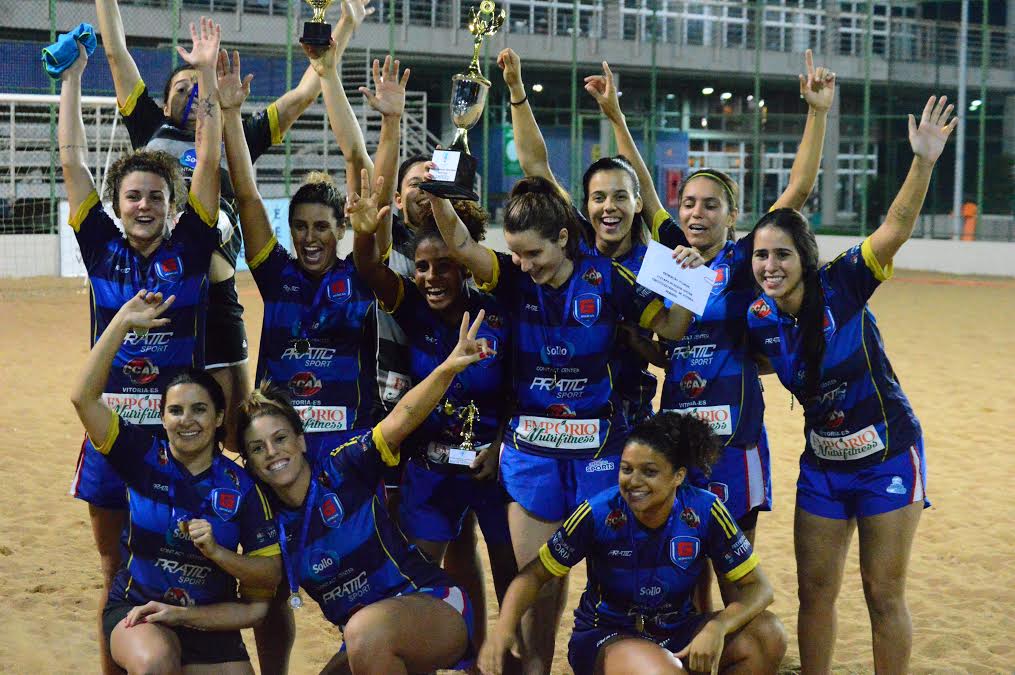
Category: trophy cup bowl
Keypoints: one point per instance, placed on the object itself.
(317, 32)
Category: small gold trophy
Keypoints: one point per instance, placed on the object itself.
(317, 32)
(465, 453)
(455, 174)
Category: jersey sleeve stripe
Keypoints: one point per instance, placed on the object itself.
(83, 210)
(744, 568)
(722, 516)
(265, 506)
(204, 214)
(263, 254)
(389, 456)
(550, 563)
(111, 434)
(387, 252)
(627, 274)
(257, 593)
(266, 552)
(657, 220)
(575, 518)
(399, 296)
(495, 278)
(276, 128)
(128, 106)
(880, 273)
(648, 316)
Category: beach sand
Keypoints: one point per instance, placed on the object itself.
(950, 340)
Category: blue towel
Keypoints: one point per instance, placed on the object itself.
(62, 54)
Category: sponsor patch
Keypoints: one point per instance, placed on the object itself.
(188, 159)
(331, 510)
(684, 551)
(561, 410)
(896, 487)
(592, 276)
(692, 384)
(717, 416)
(141, 371)
(586, 308)
(179, 597)
(136, 408)
(225, 502)
(557, 354)
(304, 384)
(760, 308)
(598, 465)
(549, 432)
(320, 418)
(322, 563)
(689, 517)
(857, 445)
(616, 519)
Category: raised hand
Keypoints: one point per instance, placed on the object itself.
(204, 52)
(511, 65)
(818, 87)
(356, 11)
(389, 97)
(322, 59)
(362, 211)
(144, 311)
(604, 90)
(232, 90)
(469, 349)
(929, 137)
(75, 69)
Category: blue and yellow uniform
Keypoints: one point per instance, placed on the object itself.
(162, 564)
(562, 444)
(712, 376)
(864, 450)
(341, 546)
(641, 580)
(318, 340)
(116, 272)
(437, 495)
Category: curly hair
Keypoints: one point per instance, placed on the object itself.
(267, 399)
(684, 440)
(730, 192)
(536, 204)
(157, 162)
(473, 216)
(319, 188)
(203, 379)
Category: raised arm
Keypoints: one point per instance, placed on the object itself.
(478, 258)
(532, 154)
(604, 89)
(343, 120)
(294, 102)
(139, 314)
(928, 141)
(366, 220)
(204, 57)
(818, 89)
(389, 101)
(114, 43)
(70, 132)
(420, 401)
(232, 93)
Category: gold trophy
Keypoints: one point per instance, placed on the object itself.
(317, 32)
(455, 174)
(465, 453)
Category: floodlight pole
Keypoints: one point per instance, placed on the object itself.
(960, 132)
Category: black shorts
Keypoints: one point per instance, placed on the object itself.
(749, 520)
(196, 646)
(225, 338)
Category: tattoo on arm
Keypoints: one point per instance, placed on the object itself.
(901, 212)
(206, 107)
(465, 239)
(73, 146)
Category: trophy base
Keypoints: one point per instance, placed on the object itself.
(316, 34)
(458, 174)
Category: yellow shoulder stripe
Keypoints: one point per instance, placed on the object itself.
(266, 552)
(389, 456)
(262, 255)
(550, 563)
(495, 278)
(725, 520)
(128, 106)
(575, 518)
(651, 312)
(111, 434)
(209, 218)
(83, 209)
(265, 506)
(880, 273)
(743, 568)
(276, 129)
(399, 296)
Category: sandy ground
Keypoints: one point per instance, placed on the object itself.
(950, 339)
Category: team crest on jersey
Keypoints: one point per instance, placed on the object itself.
(684, 551)
(616, 519)
(141, 371)
(170, 269)
(225, 502)
(760, 308)
(592, 276)
(690, 517)
(179, 597)
(693, 384)
(722, 277)
(331, 510)
(494, 321)
(188, 159)
(339, 290)
(720, 490)
(828, 325)
(586, 308)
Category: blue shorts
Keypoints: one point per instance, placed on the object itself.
(95, 480)
(741, 479)
(434, 504)
(552, 487)
(585, 645)
(893, 484)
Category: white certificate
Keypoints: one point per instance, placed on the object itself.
(447, 165)
(685, 287)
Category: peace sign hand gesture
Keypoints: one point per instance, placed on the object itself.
(929, 138)
(818, 88)
(469, 349)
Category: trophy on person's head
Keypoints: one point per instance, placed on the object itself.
(465, 453)
(317, 32)
(455, 174)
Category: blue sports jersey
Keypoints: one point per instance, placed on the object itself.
(161, 562)
(634, 570)
(431, 340)
(710, 372)
(116, 272)
(351, 554)
(563, 342)
(318, 340)
(860, 416)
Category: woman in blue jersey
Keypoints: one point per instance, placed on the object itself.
(397, 611)
(863, 461)
(566, 430)
(318, 335)
(441, 484)
(143, 189)
(646, 541)
(174, 603)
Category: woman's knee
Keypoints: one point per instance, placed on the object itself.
(885, 594)
(760, 645)
(638, 657)
(370, 631)
(152, 657)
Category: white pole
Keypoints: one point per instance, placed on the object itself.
(960, 132)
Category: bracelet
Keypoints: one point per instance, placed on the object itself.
(524, 99)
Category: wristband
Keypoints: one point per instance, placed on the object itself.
(524, 99)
